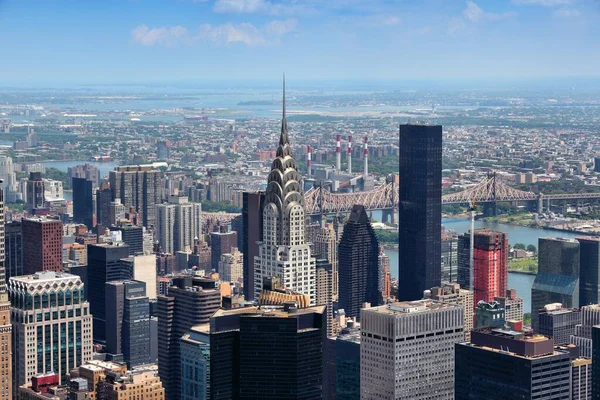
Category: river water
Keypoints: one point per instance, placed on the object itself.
(516, 234)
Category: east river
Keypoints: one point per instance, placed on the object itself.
(516, 234)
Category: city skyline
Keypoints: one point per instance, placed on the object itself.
(150, 41)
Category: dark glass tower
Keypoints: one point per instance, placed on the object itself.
(596, 362)
(13, 244)
(104, 265)
(190, 301)
(557, 280)
(270, 355)
(83, 205)
(128, 321)
(358, 255)
(420, 210)
(103, 199)
(133, 236)
(252, 233)
(589, 266)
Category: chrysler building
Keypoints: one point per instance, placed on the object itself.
(283, 252)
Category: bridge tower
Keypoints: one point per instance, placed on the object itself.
(489, 208)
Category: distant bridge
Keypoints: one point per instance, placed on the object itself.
(320, 201)
(493, 189)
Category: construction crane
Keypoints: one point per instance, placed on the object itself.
(472, 210)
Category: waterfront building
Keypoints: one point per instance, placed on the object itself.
(52, 324)
(420, 210)
(283, 251)
(500, 364)
(490, 264)
(407, 350)
(557, 280)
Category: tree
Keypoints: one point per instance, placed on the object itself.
(532, 248)
(519, 246)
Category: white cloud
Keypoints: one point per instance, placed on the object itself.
(456, 25)
(163, 36)
(544, 3)
(259, 7)
(474, 13)
(567, 13)
(224, 34)
(280, 28)
(233, 33)
(391, 21)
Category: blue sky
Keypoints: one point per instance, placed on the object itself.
(94, 41)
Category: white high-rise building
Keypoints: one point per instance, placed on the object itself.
(283, 251)
(178, 223)
(407, 350)
(52, 324)
(53, 190)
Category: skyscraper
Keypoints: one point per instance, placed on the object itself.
(231, 266)
(35, 191)
(252, 222)
(489, 314)
(103, 199)
(85, 171)
(52, 324)
(358, 255)
(195, 363)
(596, 362)
(449, 257)
(138, 186)
(221, 243)
(257, 353)
(452, 293)
(190, 301)
(83, 205)
(6, 353)
(407, 350)
(558, 323)
(132, 236)
(502, 364)
(557, 280)
(283, 252)
(384, 276)
(590, 316)
(128, 321)
(178, 223)
(104, 265)
(420, 210)
(513, 305)
(324, 292)
(42, 244)
(325, 245)
(490, 264)
(589, 266)
(13, 247)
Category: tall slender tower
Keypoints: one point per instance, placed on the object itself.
(283, 251)
(420, 236)
(5, 325)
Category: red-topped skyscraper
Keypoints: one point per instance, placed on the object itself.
(490, 264)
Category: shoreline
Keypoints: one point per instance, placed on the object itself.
(517, 271)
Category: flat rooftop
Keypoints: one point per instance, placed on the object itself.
(412, 307)
(268, 311)
(44, 276)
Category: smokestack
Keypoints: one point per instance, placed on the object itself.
(366, 172)
(308, 161)
(350, 155)
(338, 154)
